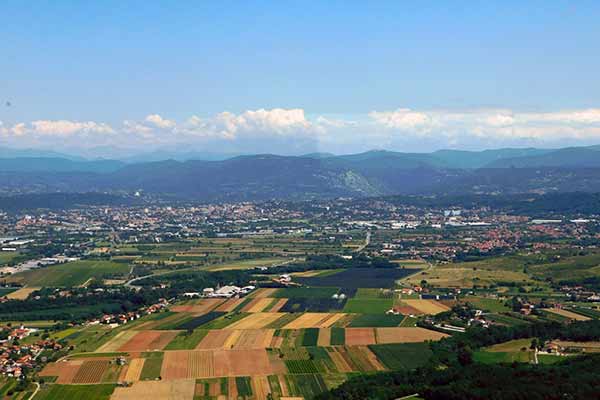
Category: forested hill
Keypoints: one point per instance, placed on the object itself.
(320, 175)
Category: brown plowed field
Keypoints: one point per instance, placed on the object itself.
(201, 307)
(256, 339)
(405, 309)
(360, 336)
(404, 335)
(229, 305)
(188, 364)
(149, 340)
(201, 364)
(264, 292)
(91, 371)
(175, 365)
(64, 371)
(163, 340)
(242, 363)
(215, 339)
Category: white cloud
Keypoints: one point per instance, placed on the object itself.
(159, 121)
(63, 127)
(279, 130)
(404, 119)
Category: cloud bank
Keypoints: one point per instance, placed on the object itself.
(288, 131)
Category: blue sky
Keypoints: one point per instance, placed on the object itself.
(75, 66)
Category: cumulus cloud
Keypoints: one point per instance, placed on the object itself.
(404, 119)
(59, 128)
(280, 130)
(494, 124)
(159, 121)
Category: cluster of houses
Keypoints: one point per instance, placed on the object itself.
(227, 291)
(580, 293)
(16, 359)
(123, 318)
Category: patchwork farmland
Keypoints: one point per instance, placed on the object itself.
(255, 347)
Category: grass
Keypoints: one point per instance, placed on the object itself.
(301, 367)
(507, 320)
(201, 320)
(244, 385)
(95, 355)
(245, 264)
(359, 278)
(71, 274)
(152, 366)
(187, 340)
(409, 322)
(76, 392)
(64, 333)
(5, 291)
(90, 338)
(306, 292)
(310, 337)
(376, 320)
(371, 293)
(467, 274)
(307, 385)
(510, 346)
(493, 357)
(310, 304)
(368, 306)
(487, 304)
(283, 321)
(549, 359)
(41, 324)
(402, 356)
(225, 321)
(338, 337)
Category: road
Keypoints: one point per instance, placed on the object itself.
(129, 283)
(367, 242)
(37, 389)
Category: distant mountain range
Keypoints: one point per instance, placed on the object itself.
(317, 175)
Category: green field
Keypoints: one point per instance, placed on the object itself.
(376, 320)
(491, 357)
(76, 392)
(187, 340)
(368, 306)
(71, 274)
(152, 366)
(403, 355)
(487, 304)
(306, 292)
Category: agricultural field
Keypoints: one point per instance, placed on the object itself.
(206, 348)
(70, 274)
(567, 314)
(360, 278)
(22, 293)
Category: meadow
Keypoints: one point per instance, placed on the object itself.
(71, 274)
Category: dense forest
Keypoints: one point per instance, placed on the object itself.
(576, 378)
